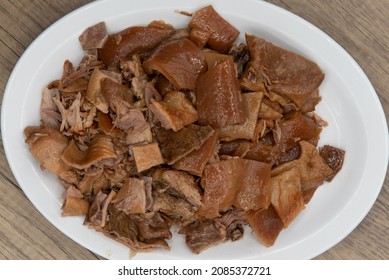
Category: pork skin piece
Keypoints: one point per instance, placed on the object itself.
(118, 96)
(286, 196)
(133, 40)
(237, 182)
(176, 209)
(180, 61)
(176, 145)
(234, 220)
(265, 224)
(195, 161)
(207, 23)
(47, 146)
(131, 197)
(100, 148)
(146, 156)
(283, 72)
(245, 130)
(219, 101)
(203, 234)
(94, 36)
(175, 111)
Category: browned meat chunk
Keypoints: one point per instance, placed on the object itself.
(180, 61)
(133, 40)
(221, 33)
(94, 36)
(175, 111)
(219, 101)
(204, 233)
(283, 71)
(146, 156)
(237, 182)
(266, 225)
(176, 145)
(196, 160)
(334, 157)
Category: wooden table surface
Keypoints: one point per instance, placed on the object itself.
(359, 26)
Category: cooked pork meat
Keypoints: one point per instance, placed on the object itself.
(133, 40)
(234, 220)
(176, 145)
(219, 101)
(47, 145)
(265, 224)
(94, 36)
(221, 33)
(283, 72)
(334, 157)
(175, 111)
(237, 182)
(158, 126)
(100, 148)
(146, 156)
(180, 61)
(204, 233)
(195, 161)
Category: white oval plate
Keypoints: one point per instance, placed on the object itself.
(350, 105)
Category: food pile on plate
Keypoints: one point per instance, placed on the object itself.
(158, 126)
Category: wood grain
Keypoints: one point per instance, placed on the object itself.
(359, 26)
